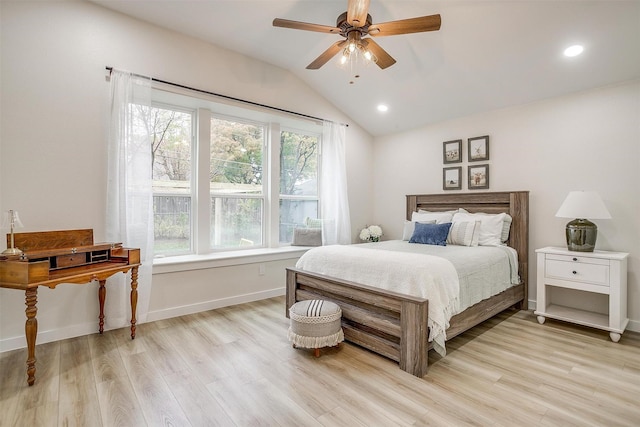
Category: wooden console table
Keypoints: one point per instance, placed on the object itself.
(53, 257)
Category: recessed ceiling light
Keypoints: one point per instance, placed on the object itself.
(574, 50)
(382, 108)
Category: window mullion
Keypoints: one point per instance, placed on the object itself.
(273, 189)
(202, 221)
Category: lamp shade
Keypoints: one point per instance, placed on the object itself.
(583, 204)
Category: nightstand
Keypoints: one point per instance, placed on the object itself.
(599, 272)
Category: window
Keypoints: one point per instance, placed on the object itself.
(237, 194)
(229, 178)
(171, 151)
(298, 181)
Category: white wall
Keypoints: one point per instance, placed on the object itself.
(53, 152)
(585, 141)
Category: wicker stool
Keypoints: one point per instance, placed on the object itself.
(315, 324)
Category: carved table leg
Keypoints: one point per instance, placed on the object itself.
(134, 300)
(102, 293)
(31, 331)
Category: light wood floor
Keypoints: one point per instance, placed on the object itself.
(235, 367)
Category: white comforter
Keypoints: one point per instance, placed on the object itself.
(426, 276)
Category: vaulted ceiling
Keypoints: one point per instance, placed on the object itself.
(487, 54)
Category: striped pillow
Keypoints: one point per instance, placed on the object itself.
(464, 233)
(410, 226)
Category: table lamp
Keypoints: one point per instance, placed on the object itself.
(582, 233)
(11, 220)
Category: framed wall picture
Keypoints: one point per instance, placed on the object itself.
(478, 148)
(478, 177)
(452, 178)
(452, 151)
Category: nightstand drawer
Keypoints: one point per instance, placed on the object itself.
(583, 272)
(578, 259)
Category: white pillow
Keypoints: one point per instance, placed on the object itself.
(506, 227)
(438, 217)
(506, 224)
(464, 233)
(490, 226)
(409, 227)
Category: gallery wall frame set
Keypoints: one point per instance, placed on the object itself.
(477, 175)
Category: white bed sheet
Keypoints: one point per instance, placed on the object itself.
(483, 271)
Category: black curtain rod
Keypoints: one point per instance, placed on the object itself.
(231, 98)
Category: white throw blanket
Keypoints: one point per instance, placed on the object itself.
(425, 276)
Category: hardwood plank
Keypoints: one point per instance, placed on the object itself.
(199, 405)
(12, 383)
(163, 353)
(339, 417)
(105, 357)
(232, 396)
(156, 400)
(119, 405)
(338, 380)
(39, 403)
(79, 405)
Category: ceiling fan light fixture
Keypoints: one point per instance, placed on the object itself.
(370, 56)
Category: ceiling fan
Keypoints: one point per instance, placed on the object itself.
(354, 25)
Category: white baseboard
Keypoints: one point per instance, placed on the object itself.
(634, 325)
(73, 331)
(212, 305)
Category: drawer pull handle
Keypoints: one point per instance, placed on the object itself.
(575, 259)
(574, 272)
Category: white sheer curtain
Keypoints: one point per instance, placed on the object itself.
(333, 186)
(129, 192)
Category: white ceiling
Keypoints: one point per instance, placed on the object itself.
(487, 54)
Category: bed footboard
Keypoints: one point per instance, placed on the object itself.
(385, 322)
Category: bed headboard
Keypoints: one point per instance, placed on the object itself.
(515, 203)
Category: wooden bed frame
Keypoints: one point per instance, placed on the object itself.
(395, 325)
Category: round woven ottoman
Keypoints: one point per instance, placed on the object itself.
(315, 324)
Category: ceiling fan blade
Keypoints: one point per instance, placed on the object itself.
(406, 26)
(384, 59)
(297, 25)
(357, 11)
(327, 55)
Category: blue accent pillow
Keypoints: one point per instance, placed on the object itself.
(431, 234)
